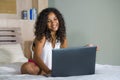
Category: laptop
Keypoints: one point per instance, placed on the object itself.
(73, 61)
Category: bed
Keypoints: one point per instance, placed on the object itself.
(12, 57)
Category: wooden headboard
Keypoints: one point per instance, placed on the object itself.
(10, 35)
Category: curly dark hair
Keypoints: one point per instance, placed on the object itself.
(41, 28)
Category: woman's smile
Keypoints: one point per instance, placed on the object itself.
(53, 23)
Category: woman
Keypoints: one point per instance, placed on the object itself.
(50, 33)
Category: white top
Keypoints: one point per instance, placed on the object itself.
(47, 53)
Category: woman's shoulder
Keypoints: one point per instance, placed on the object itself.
(42, 40)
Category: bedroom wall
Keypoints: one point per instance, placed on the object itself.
(25, 5)
(20, 5)
(93, 21)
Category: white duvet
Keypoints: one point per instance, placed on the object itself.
(102, 72)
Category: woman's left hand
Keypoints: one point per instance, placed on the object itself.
(91, 45)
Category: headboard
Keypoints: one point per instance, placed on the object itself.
(10, 35)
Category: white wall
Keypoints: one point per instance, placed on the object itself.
(93, 21)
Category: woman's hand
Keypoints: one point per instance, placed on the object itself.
(91, 45)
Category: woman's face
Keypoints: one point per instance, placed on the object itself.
(52, 23)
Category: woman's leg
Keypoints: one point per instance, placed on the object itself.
(30, 68)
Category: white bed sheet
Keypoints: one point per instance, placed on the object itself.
(102, 72)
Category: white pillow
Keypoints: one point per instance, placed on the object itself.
(11, 53)
(10, 68)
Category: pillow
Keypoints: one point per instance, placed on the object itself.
(10, 68)
(11, 53)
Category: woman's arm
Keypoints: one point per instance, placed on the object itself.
(64, 44)
(37, 53)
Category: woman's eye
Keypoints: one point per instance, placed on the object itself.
(48, 21)
(55, 18)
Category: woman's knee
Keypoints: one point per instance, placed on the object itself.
(24, 68)
(29, 68)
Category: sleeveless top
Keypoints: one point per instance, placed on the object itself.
(47, 53)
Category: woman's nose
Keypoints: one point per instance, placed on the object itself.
(53, 22)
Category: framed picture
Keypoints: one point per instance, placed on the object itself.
(8, 7)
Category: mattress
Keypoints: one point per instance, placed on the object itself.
(11, 71)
